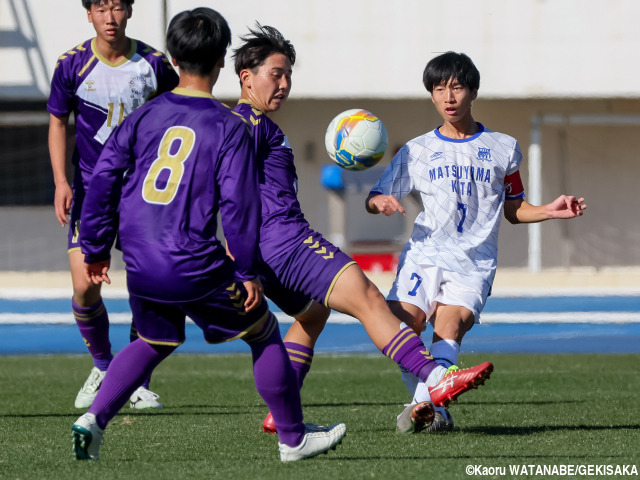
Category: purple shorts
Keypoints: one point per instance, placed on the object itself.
(309, 270)
(220, 315)
(73, 242)
(79, 187)
(290, 302)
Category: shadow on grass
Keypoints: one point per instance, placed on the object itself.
(434, 455)
(484, 403)
(509, 430)
(186, 409)
(202, 410)
(462, 403)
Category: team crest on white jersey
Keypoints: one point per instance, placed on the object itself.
(484, 154)
(137, 84)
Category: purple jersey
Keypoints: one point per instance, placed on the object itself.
(300, 263)
(283, 224)
(165, 172)
(101, 93)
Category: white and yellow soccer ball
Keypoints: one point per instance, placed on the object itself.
(356, 139)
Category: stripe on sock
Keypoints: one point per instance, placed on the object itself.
(89, 313)
(402, 338)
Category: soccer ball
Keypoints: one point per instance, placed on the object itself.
(356, 139)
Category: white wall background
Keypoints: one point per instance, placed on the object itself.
(535, 56)
(372, 48)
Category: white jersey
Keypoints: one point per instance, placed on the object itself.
(462, 187)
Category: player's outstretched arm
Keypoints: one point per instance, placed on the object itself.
(384, 204)
(58, 152)
(255, 292)
(563, 207)
(96, 273)
(566, 206)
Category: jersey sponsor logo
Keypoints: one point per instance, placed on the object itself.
(426, 354)
(236, 297)
(445, 384)
(89, 85)
(322, 251)
(436, 156)
(76, 232)
(240, 116)
(255, 120)
(484, 154)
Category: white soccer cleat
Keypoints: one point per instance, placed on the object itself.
(87, 437)
(89, 390)
(415, 418)
(442, 422)
(143, 398)
(316, 440)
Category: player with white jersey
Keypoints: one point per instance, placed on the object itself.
(467, 176)
(299, 266)
(100, 81)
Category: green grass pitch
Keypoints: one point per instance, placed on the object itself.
(535, 410)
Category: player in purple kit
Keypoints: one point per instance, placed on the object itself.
(299, 265)
(101, 81)
(159, 184)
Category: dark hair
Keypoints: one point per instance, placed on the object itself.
(87, 3)
(451, 66)
(197, 39)
(260, 44)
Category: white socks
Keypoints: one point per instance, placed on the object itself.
(445, 352)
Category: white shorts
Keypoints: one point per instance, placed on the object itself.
(426, 286)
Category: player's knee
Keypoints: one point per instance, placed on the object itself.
(86, 295)
(317, 314)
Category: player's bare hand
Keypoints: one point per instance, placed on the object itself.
(255, 292)
(96, 273)
(62, 202)
(386, 205)
(567, 206)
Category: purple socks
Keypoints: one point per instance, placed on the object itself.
(133, 336)
(93, 323)
(126, 372)
(276, 382)
(407, 350)
(300, 357)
